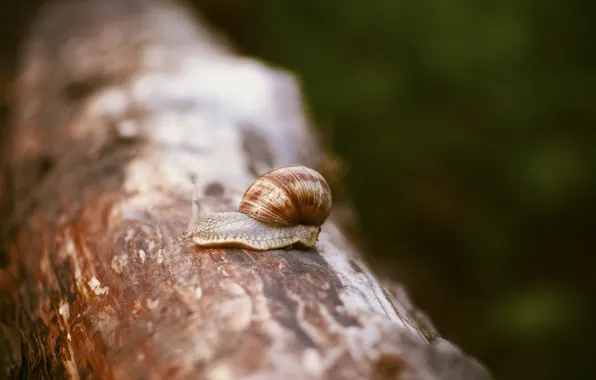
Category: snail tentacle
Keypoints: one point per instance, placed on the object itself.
(282, 208)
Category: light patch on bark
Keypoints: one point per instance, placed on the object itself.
(68, 251)
(64, 310)
(360, 289)
(95, 285)
(236, 313)
(130, 233)
(118, 262)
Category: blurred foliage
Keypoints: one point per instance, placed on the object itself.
(468, 132)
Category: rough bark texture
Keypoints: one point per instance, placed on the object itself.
(118, 103)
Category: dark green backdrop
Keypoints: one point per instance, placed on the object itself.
(468, 131)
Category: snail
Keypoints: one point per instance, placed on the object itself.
(282, 208)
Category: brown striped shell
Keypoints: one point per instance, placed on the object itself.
(287, 196)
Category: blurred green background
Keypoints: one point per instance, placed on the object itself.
(467, 130)
(468, 133)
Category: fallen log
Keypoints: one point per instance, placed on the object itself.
(117, 105)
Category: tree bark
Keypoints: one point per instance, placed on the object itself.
(117, 104)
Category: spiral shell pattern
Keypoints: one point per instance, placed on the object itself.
(287, 196)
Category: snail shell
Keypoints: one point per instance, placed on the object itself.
(283, 207)
(288, 196)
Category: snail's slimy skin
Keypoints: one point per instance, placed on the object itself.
(237, 230)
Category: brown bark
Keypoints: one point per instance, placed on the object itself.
(117, 104)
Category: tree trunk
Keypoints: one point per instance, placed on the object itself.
(117, 104)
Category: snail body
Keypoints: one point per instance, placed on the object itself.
(237, 230)
(283, 207)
